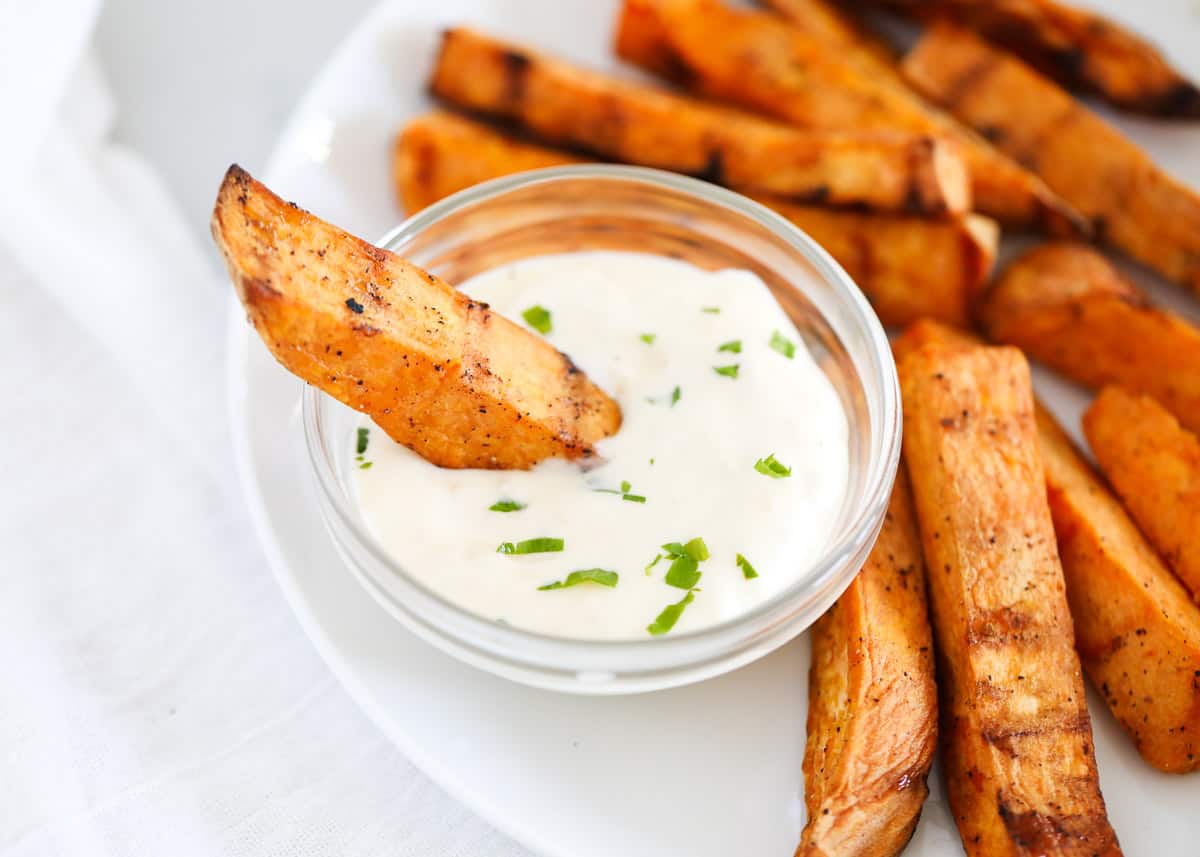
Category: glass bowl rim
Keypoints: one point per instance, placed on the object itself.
(680, 650)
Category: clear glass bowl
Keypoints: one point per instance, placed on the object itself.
(625, 208)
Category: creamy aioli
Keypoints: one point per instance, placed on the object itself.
(693, 460)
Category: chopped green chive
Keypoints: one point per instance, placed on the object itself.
(733, 345)
(684, 573)
(366, 465)
(669, 616)
(711, 310)
(783, 345)
(653, 563)
(730, 371)
(363, 436)
(748, 571)
(586, 575)
(623, 492)
(538, 317)
(506, 506)
(671, 397)
(696, 549)
(648, 338)
(540, 545)
(770, 467)
(651, 462)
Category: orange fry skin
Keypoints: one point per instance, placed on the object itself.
(759, 61)
(909, 267)
(1153, 464)
(1136, 629)
(1016, 735)
(1133, 205)
(872, 711)
(438, 372)
(879, 170)
(1068, 307)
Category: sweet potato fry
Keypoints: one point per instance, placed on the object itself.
(1067, 306)
(1153, 464)
(1136, 631)
(928, 331)
(1080, 49)
(440, 153)
(908, 266)
(824, 21)
(564, 105)
(440, 373)
(872, 710)
(1016, 737)
(762, 62)
(1133, 205)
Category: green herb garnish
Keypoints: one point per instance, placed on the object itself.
(696, 549)
(669, 616)
(538, 317)
(684, 572)
(539, 545)
(653, 563)
(623, 492)
(363, 436)
(506, 506)
(748, 571)
(734, 346)
(783, 345)
(730, 371)
(366, 465)
(711, 310)
(648, 338)
(675, 396)
(770, 467)
(586, 575)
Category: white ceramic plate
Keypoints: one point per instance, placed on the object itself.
(710, 769)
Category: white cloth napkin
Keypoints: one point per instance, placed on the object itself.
(156, 696)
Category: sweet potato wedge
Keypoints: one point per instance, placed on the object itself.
(1136, 630)
(1133, 205)
(440, 373)
(1067, 306)
(441, 153)
(760, 61)
(908, 266)
(1078, 48)
(929, 331)
(872, 709)
(564, 105)
(1153, 464)
(825, 21)
(1016, 736)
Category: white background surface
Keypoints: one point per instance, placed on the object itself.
(156, 695)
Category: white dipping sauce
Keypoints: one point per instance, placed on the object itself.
(693, 461)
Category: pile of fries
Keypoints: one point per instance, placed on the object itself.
(1007, 567)
(1003, 551)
